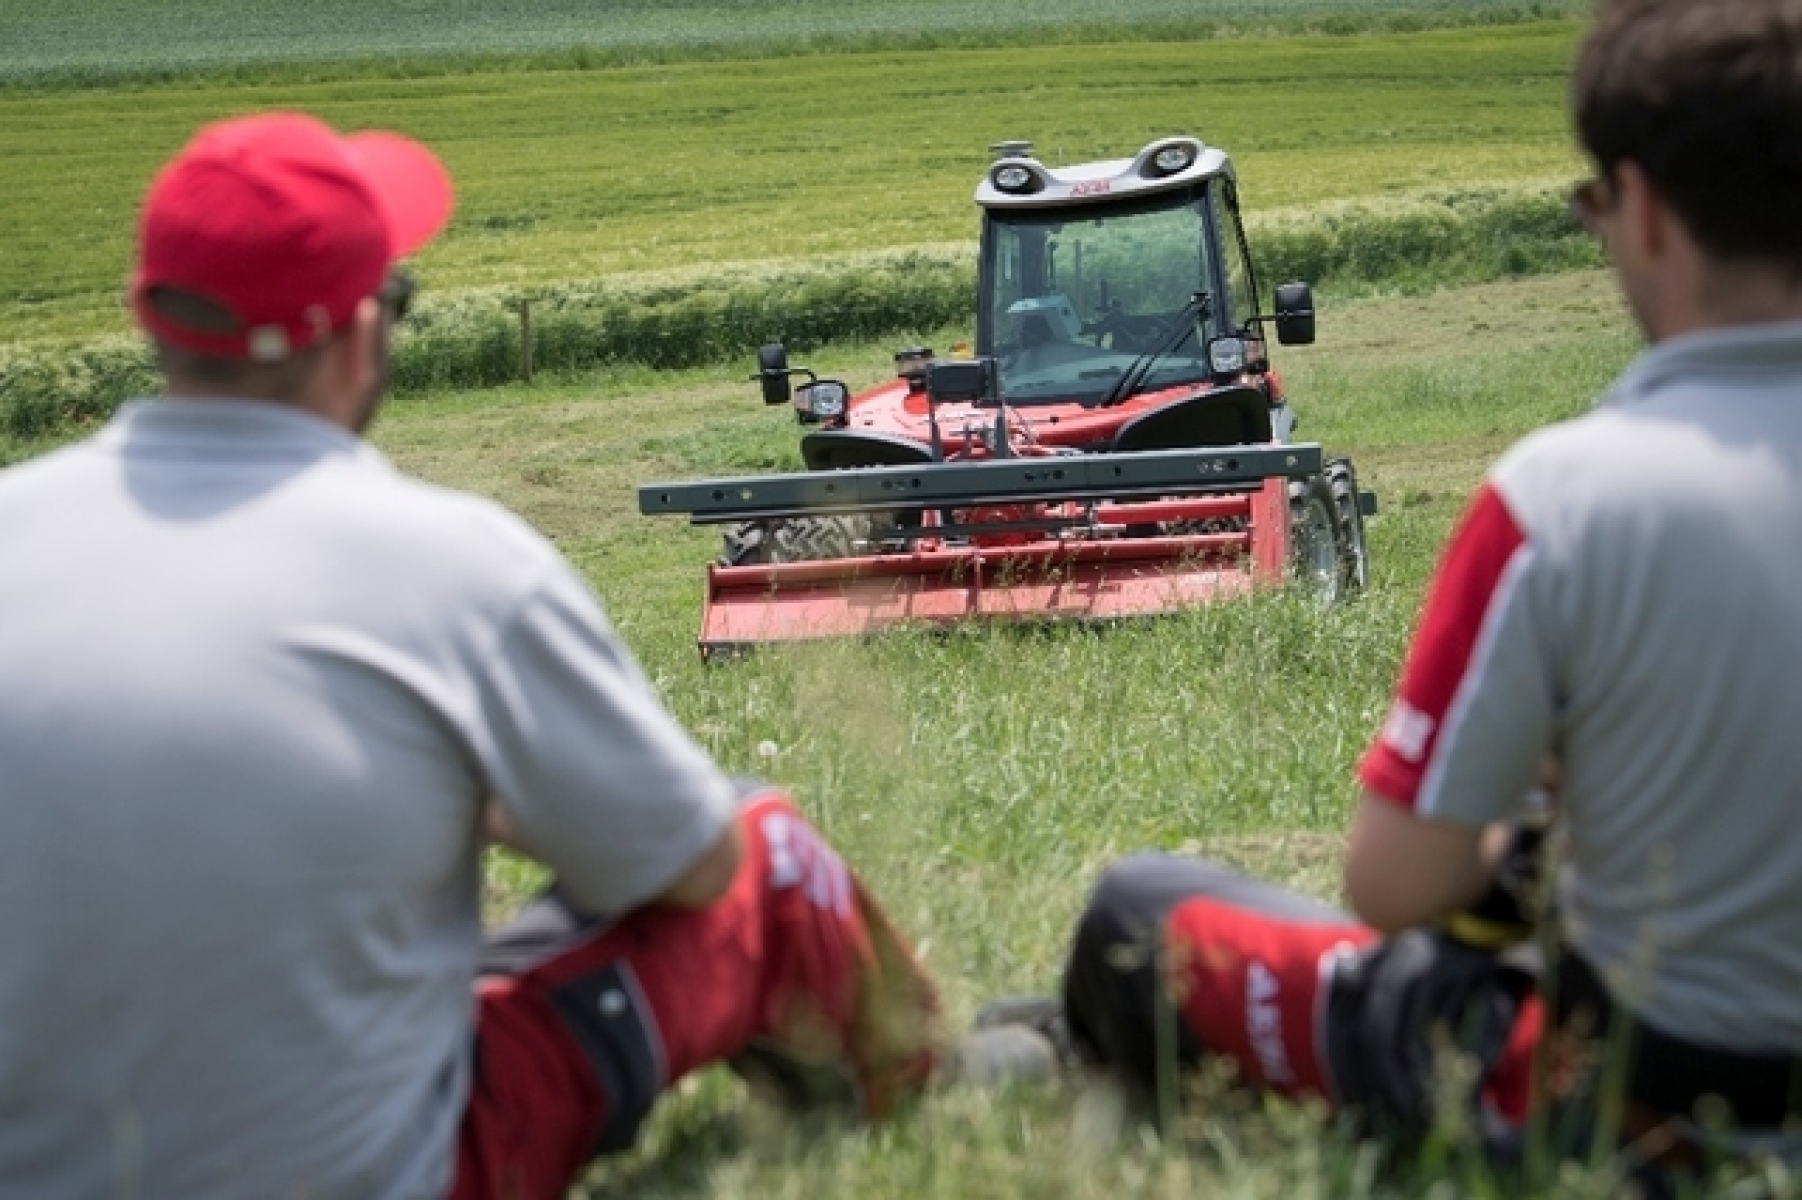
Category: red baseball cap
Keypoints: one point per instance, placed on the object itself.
(283, 224)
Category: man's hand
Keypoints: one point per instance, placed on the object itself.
(1504, 914)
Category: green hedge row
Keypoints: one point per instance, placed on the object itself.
(1425, 241)
(472, 339)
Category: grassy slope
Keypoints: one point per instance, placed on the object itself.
(980, 780)
(585, 174)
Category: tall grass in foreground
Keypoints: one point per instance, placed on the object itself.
(981, 778)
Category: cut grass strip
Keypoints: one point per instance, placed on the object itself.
(586, 175)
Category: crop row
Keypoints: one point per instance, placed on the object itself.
(101, 42)
(651, 171)
(473, 338)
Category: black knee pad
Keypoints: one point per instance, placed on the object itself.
(1112, 987)
(610, 1019)
(1113, 991)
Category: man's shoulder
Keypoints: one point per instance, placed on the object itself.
(416, 516)
(1607, 455)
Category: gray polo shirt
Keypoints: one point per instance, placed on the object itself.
(256, 686)
(1627, 591)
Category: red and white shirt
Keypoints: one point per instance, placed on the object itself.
(1626, 591)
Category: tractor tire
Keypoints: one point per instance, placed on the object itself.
(799, 539)
(1321, 562)
(1349, 513)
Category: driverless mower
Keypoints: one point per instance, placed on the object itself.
(1116, 444)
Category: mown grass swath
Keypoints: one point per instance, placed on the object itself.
(680, 214)
(594, 175)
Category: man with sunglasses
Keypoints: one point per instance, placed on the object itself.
(1616, 616)
(266, 699)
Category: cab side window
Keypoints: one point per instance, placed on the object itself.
(1241, 285)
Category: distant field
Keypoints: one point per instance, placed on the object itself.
(585, 174)
(96, 40)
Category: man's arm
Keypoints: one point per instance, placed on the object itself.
(1404, 870)
(1471, 717)
(708, 877)
(704, 880)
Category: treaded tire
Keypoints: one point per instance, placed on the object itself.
(1343, 481)
(1327, 553)
(798, 539)
(1315, 561)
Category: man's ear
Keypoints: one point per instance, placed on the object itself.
(349, 370)
(1645, 217)
(363, 338)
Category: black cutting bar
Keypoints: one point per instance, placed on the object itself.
(961, 484)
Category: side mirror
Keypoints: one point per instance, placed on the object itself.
(772, 373)
(1295, 314)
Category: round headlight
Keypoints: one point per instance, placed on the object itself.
(1013, 179)
(1227, 355)
(1172, 159)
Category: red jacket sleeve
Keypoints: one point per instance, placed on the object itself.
(1442, 661)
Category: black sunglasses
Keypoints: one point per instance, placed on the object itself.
(396, 294)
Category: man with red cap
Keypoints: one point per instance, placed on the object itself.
(267, 699)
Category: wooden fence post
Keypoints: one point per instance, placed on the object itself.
(525, 339)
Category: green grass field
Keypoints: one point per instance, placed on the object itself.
(618, 174)
(980, 779)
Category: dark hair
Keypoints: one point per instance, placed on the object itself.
(277, 380)
(1706, 96)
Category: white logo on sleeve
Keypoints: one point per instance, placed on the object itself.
(1264, 1022)
(1407, 730)
(799, 858)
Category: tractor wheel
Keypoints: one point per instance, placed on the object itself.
(799, 539)
(1350, 518)
(1319, 560)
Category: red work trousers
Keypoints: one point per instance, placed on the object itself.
(580, 1027)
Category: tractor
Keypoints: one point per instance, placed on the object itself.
(1115, 443)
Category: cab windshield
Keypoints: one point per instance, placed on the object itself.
(1080, 297)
